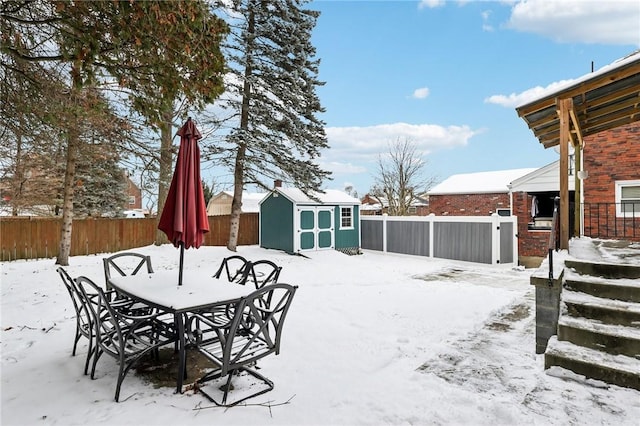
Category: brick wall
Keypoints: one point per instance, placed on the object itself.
(609, 156)
(468, 204)
(530, 243)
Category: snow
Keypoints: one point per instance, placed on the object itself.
(567, 84)
(328, 196)
(370, 339)
(481, 182)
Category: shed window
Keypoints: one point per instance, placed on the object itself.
(628, 198)
(346, 217)
(132, 200)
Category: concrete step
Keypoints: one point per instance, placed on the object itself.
(619, 370)
(609, 311)
(613, 339)
(626, 289)
(603, 269)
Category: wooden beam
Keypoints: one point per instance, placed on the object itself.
(565, 105)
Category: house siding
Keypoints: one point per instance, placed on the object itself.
(347, 238)
(468, 204)
(276, 223)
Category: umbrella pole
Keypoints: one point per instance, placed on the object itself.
(181, 263)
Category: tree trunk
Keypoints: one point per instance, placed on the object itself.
(238, 172)
(18, 174)
(67, 204)
(236, 204)
(165, 172)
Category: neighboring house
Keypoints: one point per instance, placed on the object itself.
(598, 114)
(293, 222)
(372, 206)
(474, 194)
(532, 200)
(220, 204)
(134, 199)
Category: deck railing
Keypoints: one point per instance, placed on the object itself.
(612, 221)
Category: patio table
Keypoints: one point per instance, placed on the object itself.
(198, 291)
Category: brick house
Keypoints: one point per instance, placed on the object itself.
(134, 196)
(533, 201)
(372, 206)
(474, 194)
(596, 114)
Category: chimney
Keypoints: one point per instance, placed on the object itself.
(277, 183)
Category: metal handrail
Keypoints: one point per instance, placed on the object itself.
(553, 237)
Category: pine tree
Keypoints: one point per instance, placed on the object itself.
(101, 188)
(271, 94)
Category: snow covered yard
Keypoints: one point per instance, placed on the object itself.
(370, 339)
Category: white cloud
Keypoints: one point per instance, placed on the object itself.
(338, 167)
(357, 144)
(486, 26)
(430, 4)
(568, 21)
(421, 93)
(515, 99)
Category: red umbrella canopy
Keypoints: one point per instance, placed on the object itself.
(184, 216)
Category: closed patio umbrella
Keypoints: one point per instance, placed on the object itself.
(184, 216)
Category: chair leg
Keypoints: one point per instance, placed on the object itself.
(89, 355)
(227, 387)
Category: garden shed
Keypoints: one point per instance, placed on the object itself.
(294, 222)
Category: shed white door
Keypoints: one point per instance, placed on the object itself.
(314, 228)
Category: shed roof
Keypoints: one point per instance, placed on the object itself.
(602, 100)
(330, 196)
(479, 183)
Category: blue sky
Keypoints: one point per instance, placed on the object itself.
(448, 75)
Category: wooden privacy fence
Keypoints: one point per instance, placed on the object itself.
(39, 237)
(481, 239)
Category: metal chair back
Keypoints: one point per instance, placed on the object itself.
(236, 269)
(264, 272)
(84, 319)
(254, 333)
(127, 263)
(122, 333)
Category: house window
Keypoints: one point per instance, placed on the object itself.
(132, 199)
(503, 212)
(628, 198)
(412, 210)
(346, 217)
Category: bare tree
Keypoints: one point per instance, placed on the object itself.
(400, 177)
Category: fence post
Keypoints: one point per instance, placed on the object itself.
(431, 219)
(495, 238)
(384, 233)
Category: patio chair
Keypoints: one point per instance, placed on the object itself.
(263, 272)
(124, 336)
(235, 346)
(84, 321)
(236, 268)
(127, 263)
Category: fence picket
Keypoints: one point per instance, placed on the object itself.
(41, 235)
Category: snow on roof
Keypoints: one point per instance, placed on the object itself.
(564, 85)
(330, 196)
(250, 200)
(482, 182)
